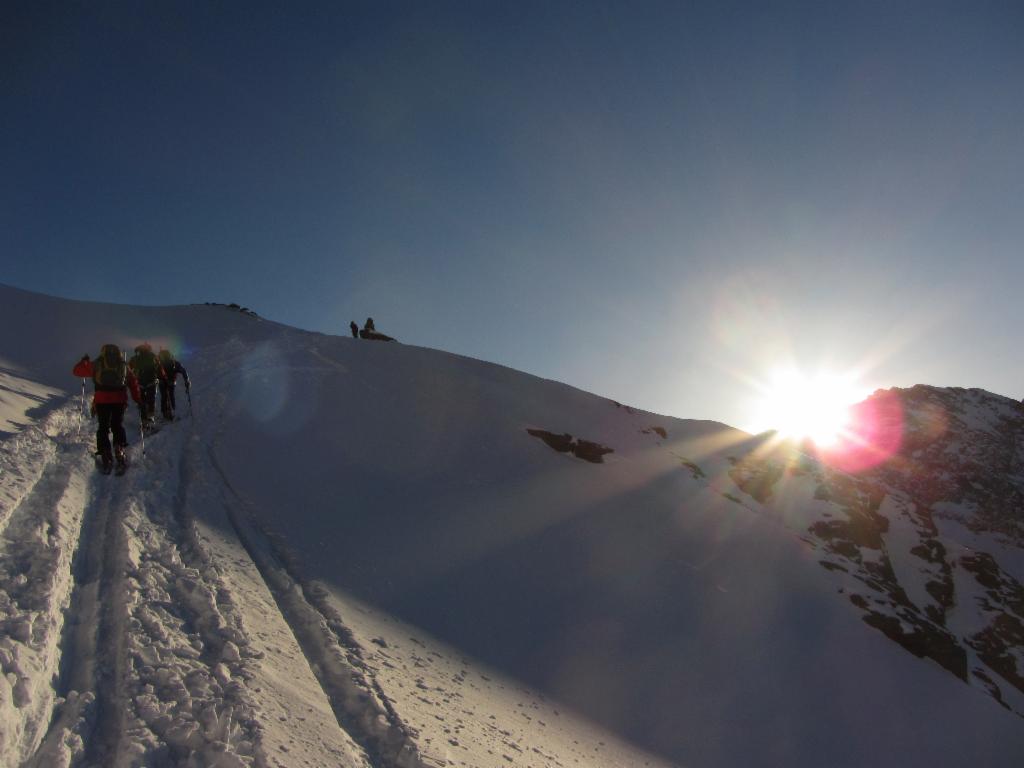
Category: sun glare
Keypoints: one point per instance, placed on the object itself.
(812, 407)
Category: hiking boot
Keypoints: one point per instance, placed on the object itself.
(122, 459)
(106, 462)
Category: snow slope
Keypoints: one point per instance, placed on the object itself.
(368, 554)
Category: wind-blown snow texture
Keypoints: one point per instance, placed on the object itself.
(367, 554)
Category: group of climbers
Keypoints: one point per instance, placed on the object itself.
(114, 378)
(368, 331)
(156, 371)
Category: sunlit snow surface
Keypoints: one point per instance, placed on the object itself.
(22, 400)
(354, 553)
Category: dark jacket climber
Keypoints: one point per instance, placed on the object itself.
(146, 367)
(169, 370)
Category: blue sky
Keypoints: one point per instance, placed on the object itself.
(657, 202)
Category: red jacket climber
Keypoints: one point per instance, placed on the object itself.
(84, 369)
(112, 380)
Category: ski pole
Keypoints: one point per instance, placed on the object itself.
(81, 411)
(188, 392)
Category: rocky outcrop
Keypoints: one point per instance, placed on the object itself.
(578, 447)
(924, 541)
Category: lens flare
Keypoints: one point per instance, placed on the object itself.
(873, 434)
(801, 407)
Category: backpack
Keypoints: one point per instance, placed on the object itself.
(110, 370)
(144, 364)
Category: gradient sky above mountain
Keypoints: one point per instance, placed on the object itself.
(657, 202)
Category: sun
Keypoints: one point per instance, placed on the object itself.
(815, 407)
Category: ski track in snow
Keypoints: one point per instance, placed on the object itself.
(359, 705)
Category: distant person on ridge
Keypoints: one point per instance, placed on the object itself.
(146, 367)
(369, 332)
(354, 328)
(169, 370)
(112, 381)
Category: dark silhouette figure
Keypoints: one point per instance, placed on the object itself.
(169, 370)
(355, 329)
(369, 332)
(146, 367)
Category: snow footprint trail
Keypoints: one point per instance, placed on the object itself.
(156, 661)
(43, 490)
(187, 700)
(86, 726)
(107, 589)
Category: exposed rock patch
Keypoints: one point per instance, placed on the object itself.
(578, 447)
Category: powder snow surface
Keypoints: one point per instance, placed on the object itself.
(355, 553)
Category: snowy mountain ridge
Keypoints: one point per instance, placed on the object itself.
(368, 554)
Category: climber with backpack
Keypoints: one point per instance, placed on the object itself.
(112, 381)
(169, 370)
(146, 367)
